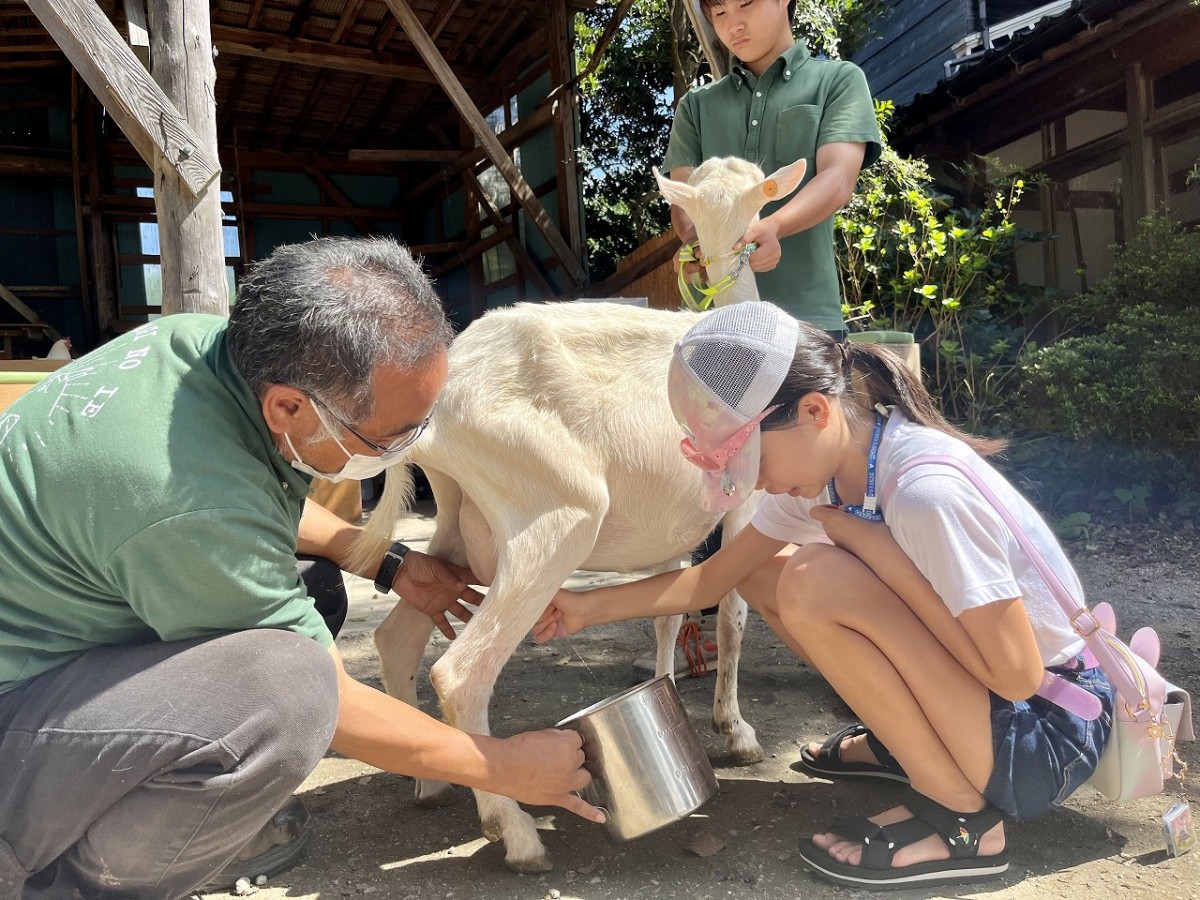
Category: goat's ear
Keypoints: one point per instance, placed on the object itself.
(783, 181)
(677, 193)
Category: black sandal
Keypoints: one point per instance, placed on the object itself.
(828, 760)
(961, 832)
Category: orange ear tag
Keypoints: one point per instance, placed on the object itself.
(770, 188)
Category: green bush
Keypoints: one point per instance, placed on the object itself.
(1160, 267)
(1127, 389)
(1137, 382)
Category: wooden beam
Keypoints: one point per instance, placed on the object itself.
(349, 14)
(139, 35)
(610, 31)
(717, 56)
(486, 137)
(26, 313)
(403, 155)
(191, 238)
(1140, 160)
(520, 254)
(34, 165)
(499, 236)
(510, 137)
(151, 122)
(334, 193)
(319, 54)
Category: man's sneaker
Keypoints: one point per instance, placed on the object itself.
(280, 844)
(695, 650)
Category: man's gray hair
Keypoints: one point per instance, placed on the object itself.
(323, 315)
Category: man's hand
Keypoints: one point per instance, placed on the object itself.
(545, 768)
(436, 587)
(765, 233)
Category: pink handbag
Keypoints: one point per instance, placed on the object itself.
(1149, 714)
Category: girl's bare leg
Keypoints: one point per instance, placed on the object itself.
(928, 710)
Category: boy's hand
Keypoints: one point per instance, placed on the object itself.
(764, 233)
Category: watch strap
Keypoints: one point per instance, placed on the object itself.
(393, 559)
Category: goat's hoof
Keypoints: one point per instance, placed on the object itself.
(745, 751)
(435, 796)
(747, 756)
(530, 866)
(493, 830)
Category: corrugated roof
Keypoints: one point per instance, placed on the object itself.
(1021, 49)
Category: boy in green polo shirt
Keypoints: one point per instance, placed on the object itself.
(777, 105)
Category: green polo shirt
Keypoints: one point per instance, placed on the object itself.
(142, 499)
(798, 105)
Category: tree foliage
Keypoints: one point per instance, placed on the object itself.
(627, 105)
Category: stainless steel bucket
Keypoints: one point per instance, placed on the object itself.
(648, 766)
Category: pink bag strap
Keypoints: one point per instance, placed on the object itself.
(1082, 621)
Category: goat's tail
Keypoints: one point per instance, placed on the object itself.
(398, 492)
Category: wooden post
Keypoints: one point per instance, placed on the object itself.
(486, 137)
(1143, 198)
(718, 57)
(150, 121)
(85, 293)
(101, 247)
(565, 136)
(190, 236)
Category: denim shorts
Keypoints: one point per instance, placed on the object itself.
(1042, 752)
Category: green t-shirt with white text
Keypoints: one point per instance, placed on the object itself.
(142, 499)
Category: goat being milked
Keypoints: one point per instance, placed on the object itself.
(554, 449)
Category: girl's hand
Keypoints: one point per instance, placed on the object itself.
(849, 532)
(560, 619)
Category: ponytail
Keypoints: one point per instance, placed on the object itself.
(864, 374)
(882, 377)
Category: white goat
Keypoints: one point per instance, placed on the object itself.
(554, 449)
(722, 197)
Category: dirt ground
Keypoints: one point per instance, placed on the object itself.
(372, 840)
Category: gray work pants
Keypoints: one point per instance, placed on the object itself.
(140, 771)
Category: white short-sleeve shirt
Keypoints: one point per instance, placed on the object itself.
(952, 533)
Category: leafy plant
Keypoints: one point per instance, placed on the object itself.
(911, 262)
(1134, 498)
(1128, 384)
(1076, 526)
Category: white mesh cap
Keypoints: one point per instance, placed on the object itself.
(724, 373)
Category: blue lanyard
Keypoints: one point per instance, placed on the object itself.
(869, 509)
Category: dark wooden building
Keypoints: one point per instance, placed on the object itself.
(1100, 96)
(329, 122)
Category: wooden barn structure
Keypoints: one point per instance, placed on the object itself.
(450, 124)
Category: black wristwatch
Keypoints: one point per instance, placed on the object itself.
(392, 561)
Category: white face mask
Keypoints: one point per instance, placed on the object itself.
(357, 467)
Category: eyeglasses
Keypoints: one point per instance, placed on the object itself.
(401, 443)
(716, 460)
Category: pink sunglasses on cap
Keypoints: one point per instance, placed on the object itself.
(718, 459)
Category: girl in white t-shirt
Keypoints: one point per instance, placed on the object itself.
(906, 590)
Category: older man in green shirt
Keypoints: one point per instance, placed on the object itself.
(779, 104)
(166, 680)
